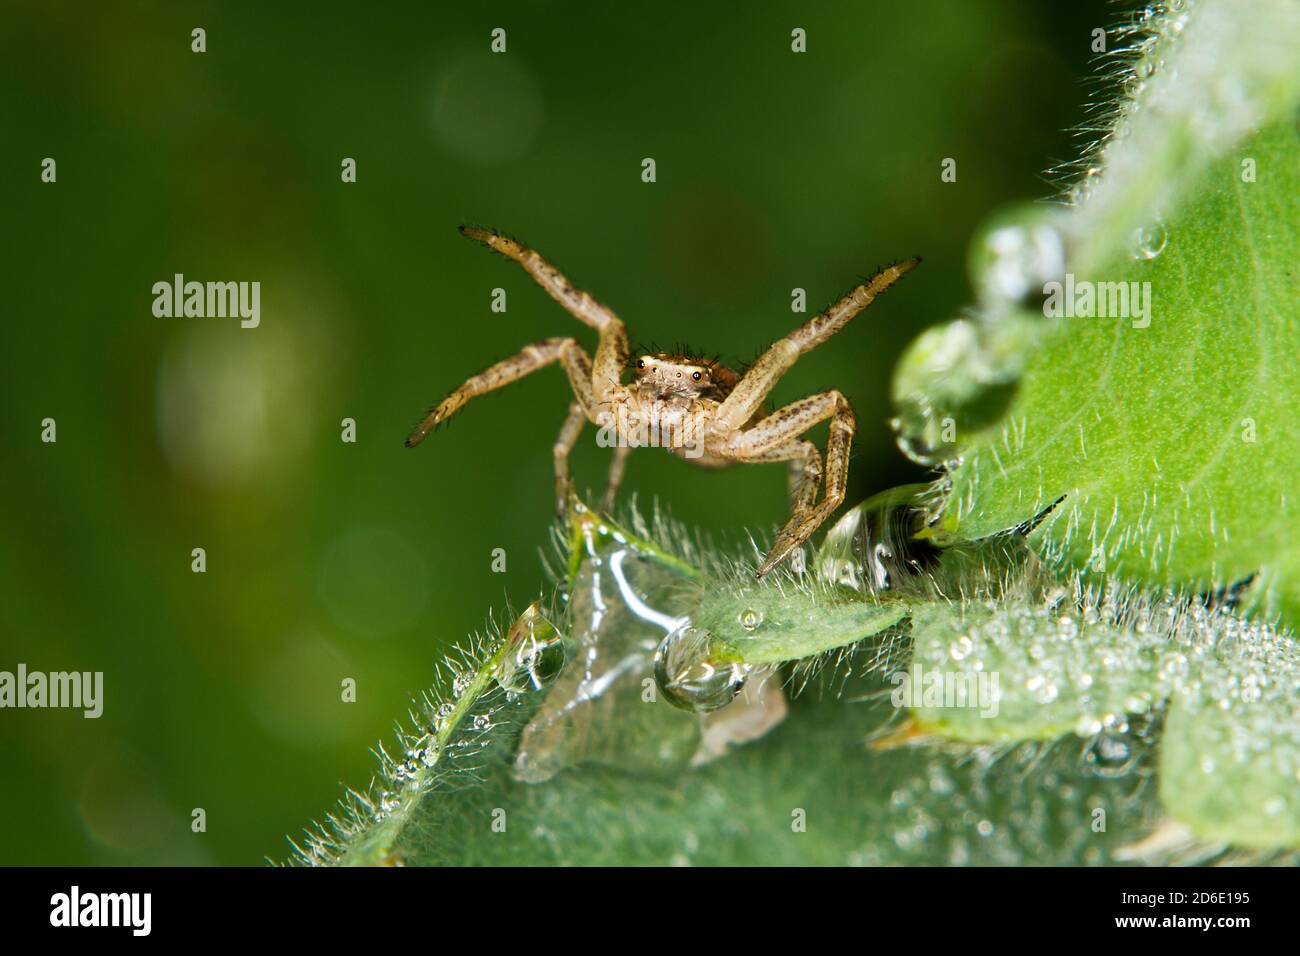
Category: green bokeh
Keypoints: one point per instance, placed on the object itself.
(329, 560)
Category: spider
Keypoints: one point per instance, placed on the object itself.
(696, 408)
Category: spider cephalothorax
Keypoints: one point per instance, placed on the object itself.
(695, 408)
(674, 377)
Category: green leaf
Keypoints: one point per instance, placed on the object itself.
(595, 771)
(1083, 668)
(1176, 446)
(1229, 765)
(1173, 430)
(809, 793)
(517, 759)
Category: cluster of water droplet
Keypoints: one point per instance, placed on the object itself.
(955, 380)
(1231, 750)
(977, 810)
(1109, 663)
(959, 377)
(477, 690)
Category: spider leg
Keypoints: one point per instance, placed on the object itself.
(581, 304)
(805, 471)
(530, 359)
(616, 468)
(611, 359)
(774, 438)
(612, 353)
(748, 395)
(564, 443)
(805, 477)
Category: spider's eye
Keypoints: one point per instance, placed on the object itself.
(696, 376)
(640, 363)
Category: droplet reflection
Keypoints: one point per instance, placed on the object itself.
(693, 675)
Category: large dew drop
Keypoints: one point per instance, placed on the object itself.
(957, 379)
(693, 675)
(873, 547)
(1020, 250)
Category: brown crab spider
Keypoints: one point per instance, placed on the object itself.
(696, 408)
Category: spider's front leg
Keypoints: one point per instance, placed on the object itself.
(775, 439)
(580, 304)
(535, 356)
(611, 353)
(761, 377)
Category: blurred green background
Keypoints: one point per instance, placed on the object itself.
(328, 560)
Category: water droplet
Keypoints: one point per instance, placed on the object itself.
(750, 619)
(1109, 754)
(534, 653)
(1148, 241)
(956, 379)
(880, 554)
(1043, 689)
(1087, 725)
(1012, 260)
(873, 547)
(918, 431)
(693, 675)
(1251, 692)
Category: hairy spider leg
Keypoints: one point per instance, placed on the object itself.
(537, 355)
(761, 377)
(612, 352)
(564, 443)
(805, 471)
(776, 434)
(594, 384)
(616, 468)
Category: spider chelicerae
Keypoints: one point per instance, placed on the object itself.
(696, 408)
